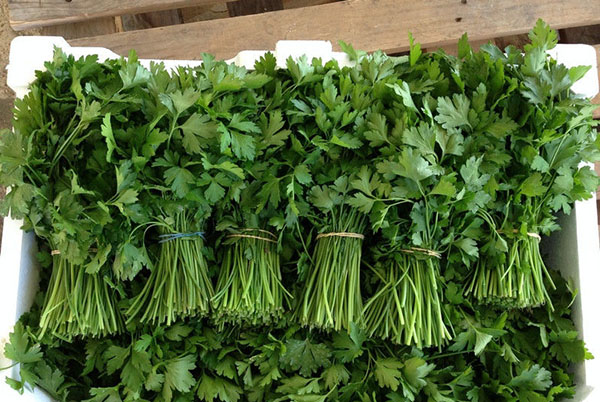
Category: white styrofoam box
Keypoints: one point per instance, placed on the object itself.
(574, 250)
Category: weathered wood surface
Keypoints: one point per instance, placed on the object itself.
(26, 14)
(367, 24)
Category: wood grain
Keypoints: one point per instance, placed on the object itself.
(26, 14)
(367, 24)
(97, 26)
(596, 99)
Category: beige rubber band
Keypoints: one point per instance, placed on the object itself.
(530, 234)
(57, 252)
(414, 250)
(245, 236)
(259, 230)
(341, 234)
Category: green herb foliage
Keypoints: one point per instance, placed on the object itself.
(445, 170)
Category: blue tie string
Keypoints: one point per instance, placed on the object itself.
(172, 236)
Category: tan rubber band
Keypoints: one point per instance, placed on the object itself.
(57, 252)
(245, 236)
(414, 250)
(341, 234)
(258, 230)
(530, 234)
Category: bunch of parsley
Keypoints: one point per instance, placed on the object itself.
(253, 181)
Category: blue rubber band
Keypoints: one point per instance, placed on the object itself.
(172, 236)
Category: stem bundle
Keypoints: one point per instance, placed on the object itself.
(407, 307)
(179, 285)
(249, 286)
(519, 282)
(77, 303)
(332, 297)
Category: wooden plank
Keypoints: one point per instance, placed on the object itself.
(596, 99)
(248, 7)
(367, 24)
(26, 14)
(95, 27)
(453, 48)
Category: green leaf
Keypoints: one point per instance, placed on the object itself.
(377, 130)
(535, 378)
(335, 375)
(107, 133)
(104, 395)
(444, 187)
(542, 36)
(450, 141)
(410, 165)
(98, 260)
(154, 381)
(361, 202)
(404, 92)
(129, 196)
(256, 80)
(533, 186)
(481, 341)
(243, 145)
(271, 128)
(304, 356)
(214, 192)
(178, 332)
(422, 137)
(51, 380)
(502, 128)
(469, 246)
(299, 385)
(19, 349)
(178, 376)
(387, 372)
(578, 72)
(453, 113)
(347, 140)
(540, 164)
(348, 347)
(179, 179)
(115, 357)
(184, 100)
(302, 174)
(464, 49)
(415, 370)
(415, 50)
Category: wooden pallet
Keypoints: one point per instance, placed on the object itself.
(367, 24)
(258, 24)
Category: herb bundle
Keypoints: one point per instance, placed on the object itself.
(535, 172)
(332, 297)
(178, 285)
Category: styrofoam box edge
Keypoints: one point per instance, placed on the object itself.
(578, 258)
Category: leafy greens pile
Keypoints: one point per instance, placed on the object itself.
(310, 233)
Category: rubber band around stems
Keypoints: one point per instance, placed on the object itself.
(417, 250)
(57, 252)
(248, 236)
(530, 234)
(173, 236)
(340, 234)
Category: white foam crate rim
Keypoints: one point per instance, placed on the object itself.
(574, 250)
